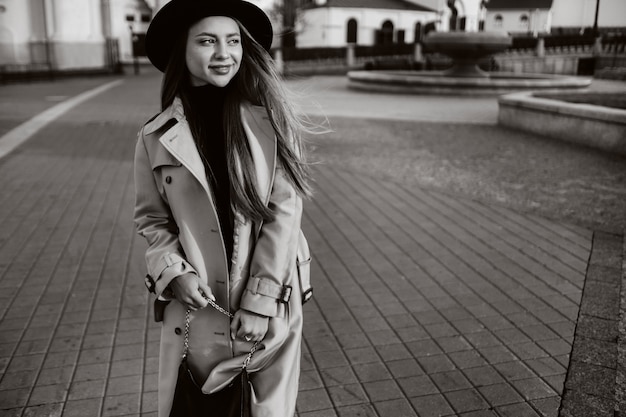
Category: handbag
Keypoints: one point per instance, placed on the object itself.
(231, 401)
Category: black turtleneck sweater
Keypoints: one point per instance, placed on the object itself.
(207, 124)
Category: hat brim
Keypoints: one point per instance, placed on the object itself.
(178, 15)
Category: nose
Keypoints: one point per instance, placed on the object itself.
(220, 51)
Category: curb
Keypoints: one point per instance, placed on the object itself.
(620, 378)
(596, 363)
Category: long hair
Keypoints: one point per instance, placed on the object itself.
(258, 83)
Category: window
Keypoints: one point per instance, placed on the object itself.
(351, 35)
(387, 32)
(523, 22)
(400, 36)
(418, 32)
(498, 21)
(462, 22)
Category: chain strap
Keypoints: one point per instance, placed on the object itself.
(222, 310)
(186, 345)
(219, 308)
(246, 361)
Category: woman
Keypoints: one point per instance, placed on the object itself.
(219, 177)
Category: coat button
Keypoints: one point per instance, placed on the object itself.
(168, 179)
(178, 331)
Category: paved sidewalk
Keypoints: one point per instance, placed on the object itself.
(425, 304)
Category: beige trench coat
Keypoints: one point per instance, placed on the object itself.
(175, 212)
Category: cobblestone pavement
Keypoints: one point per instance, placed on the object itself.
(425, 304)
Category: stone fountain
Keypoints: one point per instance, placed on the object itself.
(465, 77)
(467, 50)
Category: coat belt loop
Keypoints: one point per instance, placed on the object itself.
(253, 285)
(168, 259)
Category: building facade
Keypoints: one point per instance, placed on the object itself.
(519, 16)
(544, 16)
(335, 23)
(68, 33)
(581, 13)
(87, 34)
(71, 34)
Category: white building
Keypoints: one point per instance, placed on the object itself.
(70, 34)
(73, 29)
(334, 23)
(519, 16)
(542, 16)
(86, 34)
(581, 13)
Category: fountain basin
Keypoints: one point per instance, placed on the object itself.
(439, 82)
(468, 44)
(467, 48)
(586, 124)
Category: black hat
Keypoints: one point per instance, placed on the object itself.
(177, 16)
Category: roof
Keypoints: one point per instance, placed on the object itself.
(378, 4)
(518, 4)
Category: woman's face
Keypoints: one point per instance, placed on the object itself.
(213, 52)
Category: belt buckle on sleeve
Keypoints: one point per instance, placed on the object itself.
(285, 294)
(150, 284)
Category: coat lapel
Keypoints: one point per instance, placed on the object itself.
(179, 142)
(259, 132)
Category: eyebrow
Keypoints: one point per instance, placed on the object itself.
(229, 35)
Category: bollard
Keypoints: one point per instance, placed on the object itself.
(541, 48)
(350, 60)
(417, 52)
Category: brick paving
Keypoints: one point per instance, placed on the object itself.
(425, 304)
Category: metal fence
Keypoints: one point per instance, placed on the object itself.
(521, 44)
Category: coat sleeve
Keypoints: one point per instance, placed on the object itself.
(274, 259)
(154, 221)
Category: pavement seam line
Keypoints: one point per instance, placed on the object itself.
(20, 134)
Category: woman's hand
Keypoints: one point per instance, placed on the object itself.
(191, 291)
(248, 326)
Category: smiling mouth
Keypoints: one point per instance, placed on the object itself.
(220, 69)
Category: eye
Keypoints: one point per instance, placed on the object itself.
(206, 41)
(234, 41)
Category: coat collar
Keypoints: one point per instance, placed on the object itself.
(179, 142)
(174, 111)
